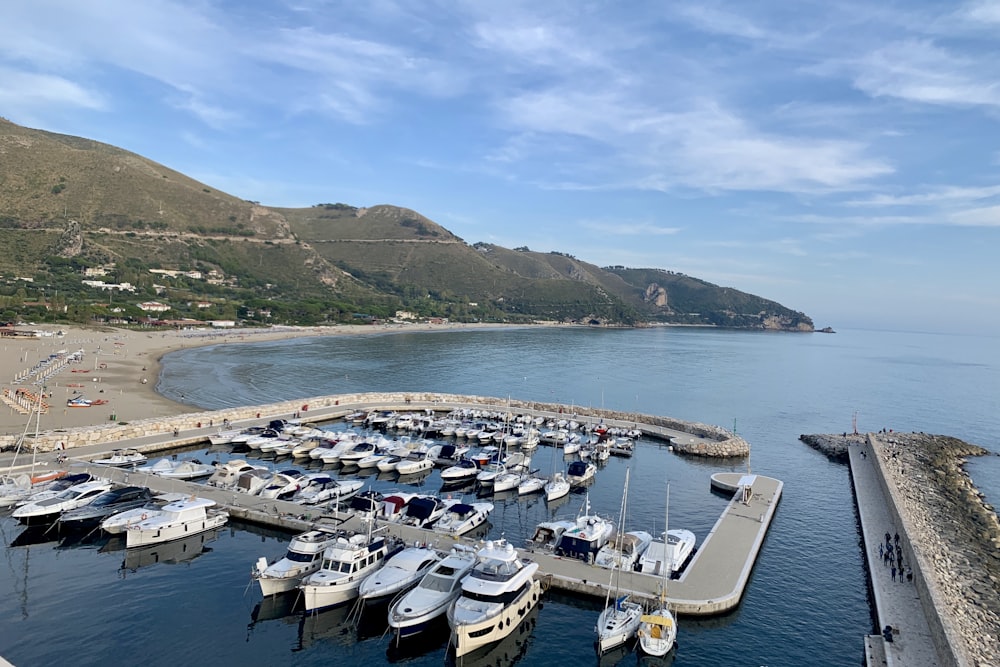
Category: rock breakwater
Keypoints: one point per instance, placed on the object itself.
(834, 446)
(955, 535)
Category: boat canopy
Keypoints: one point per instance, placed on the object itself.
(421, 508)
(577, 468)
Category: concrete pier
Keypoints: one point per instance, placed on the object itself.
(897, 601)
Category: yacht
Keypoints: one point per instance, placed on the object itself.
(623, 550)
(122, 458)
(227, 475)
(586, 537)
(547, 534)
(463, 471)
(282, 485)
(423, 510)
(304, 556)
(105, 505)
(580, 472)
(618, 623)
(429, 600)
(401, 572)
(345, 565)
(673, 554)
(48, 510)
(496, 595)
(176, 520)
(178, 469)
(118, 523)
(415, 462)
(22, 490)
(531, 484)
(460, 518)
(321, 488)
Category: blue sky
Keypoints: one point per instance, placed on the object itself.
(842, 158)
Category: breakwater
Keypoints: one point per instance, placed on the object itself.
(691, 438)
(951, 537)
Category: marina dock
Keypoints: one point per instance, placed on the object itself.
(712, 583)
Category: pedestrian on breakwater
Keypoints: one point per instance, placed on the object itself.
(888, 538)
(894, 573)
(881, 552)
(909, 576)
(897, 539)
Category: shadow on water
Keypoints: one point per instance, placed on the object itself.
(172, 553)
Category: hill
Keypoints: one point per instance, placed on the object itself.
(70, 206)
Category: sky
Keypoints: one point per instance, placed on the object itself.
(842, 158)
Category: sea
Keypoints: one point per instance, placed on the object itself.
(89, 601)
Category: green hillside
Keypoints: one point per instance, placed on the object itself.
(69, 204)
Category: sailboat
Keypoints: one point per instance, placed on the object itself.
(619, 622)
(657, 629)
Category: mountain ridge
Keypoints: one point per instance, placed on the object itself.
(69, 203)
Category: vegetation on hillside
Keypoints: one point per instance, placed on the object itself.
(72, 206)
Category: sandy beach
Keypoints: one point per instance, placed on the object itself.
(118, 368)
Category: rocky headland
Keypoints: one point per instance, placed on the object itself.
(954, 533)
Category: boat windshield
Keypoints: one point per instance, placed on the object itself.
(497, 570)
(299, 557)
(435, 582)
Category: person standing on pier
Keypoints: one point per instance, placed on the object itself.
(894, 573)
(881, 552)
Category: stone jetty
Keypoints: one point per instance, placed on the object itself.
(951, 536)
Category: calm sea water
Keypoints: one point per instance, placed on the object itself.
(191, 604)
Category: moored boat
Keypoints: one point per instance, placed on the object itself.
(176, 520)
(430, 599)
(461, 518)
(345, 565)
(122, 458)
(496, 596)
(401, 571)
(303, 557)
(48, 510)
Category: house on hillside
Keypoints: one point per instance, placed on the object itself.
(153, 307)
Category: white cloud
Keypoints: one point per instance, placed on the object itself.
(626, 228)
(921, 71)
(987, 216)
(26, 92)
(940, 195)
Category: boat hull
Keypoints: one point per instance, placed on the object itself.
(136, 536)
(468, 637)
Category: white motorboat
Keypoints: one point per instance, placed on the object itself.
(265, 437)
(389, 463)
(48, 509)
(460, 518)
(401, 572)
(531, 484)
(657, 629)
(24, 488)
(305, 446)
(463, 471)
(415, 462)
(393, 505)
(496, 595)
(623, 551)
(283, 485)
(117, 524)
(176, 520)
(447, 455)
(319, 488)
(418, 608)
(178, 469)
(345, 565)
(580, 472)
(122, 458)
(672, 555)
(357, 452)
(228, 474)
(371, 461)
(252, 481)
(547, 534)
(304, 556)
(104, 505)
(619, 621)
(586, 537)
(422, 511)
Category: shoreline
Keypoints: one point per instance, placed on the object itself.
(119, 368)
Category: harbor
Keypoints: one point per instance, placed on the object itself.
(712, 583)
